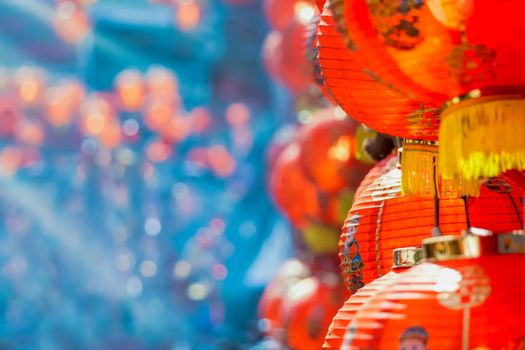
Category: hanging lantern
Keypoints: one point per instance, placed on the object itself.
(308, 308)
(444, 53)
(464, 297)
(270, 305)
(362, 96)
(130, 89)
(380, 217)
(404, 258)
(328, 152)
(284, 55)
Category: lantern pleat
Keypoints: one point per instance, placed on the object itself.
(337, 330)
(363, 97)
(382, 219)
(428, 304)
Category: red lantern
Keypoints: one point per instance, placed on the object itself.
(443, 53)
(284, 55)
(328, 152)
(403, 259)
(308, 308)
(467, 299)
(380, 217)
(270, 305)
(362, 96)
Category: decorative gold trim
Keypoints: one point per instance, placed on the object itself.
(485, 95)
(407, 257)
(470, 246)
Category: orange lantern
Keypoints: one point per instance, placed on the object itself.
(362, 96)
(380, 217)
(308, 308)
(328, 152)
(465, 298)
(444, 53)
(130, 89)
(270, 305)
(403, 258)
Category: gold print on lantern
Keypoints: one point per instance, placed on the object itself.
(338, 9)
(397, 21)
(471, 64)
(463, 288)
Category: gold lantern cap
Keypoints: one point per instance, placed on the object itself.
(471, 246)
(407, 257)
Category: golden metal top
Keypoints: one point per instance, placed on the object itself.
(470, 246)
(407, 257)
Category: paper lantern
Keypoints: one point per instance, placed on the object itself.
(130, 89)
(444, 53)
(363, 97)
(270, 304)
(328, 148)
(382, 219)
(284, 55)
(404, 258)
(308, 308)
(466, 298)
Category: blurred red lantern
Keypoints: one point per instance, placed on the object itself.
(362, 96)
(281, 13)
(284, 55)
(466, 299)
(380, 217)
(291, 190)
(71, 22)
(270, 305)
(403, 259)
(130, 89)
(308, 308)
(439, 51)
(328, 152)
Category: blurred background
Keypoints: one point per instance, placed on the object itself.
(136, 139)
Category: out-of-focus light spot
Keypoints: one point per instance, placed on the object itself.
(222, 163)
(177, 129)
(302, 289)
(130, 88)
(237, 114)
(182, 269)
(10, 160)
(217, 225)
(197, 291)
(342, 149)
(30, 83)
(123, 262)
(161, 83)
(158, 151)
(339, 113)
(152, 226)
(187, 15)
(304, 12)
(30, 132)
(134, 286)
(71, 22)
(247, 229)
(125, 156)
(148, 268)
(200, 119)
(88, 147)
(219, 272)
(96, 113)
(130, 127)
(158, 113)
(180, 190)
(304, 116)
(111, 135)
